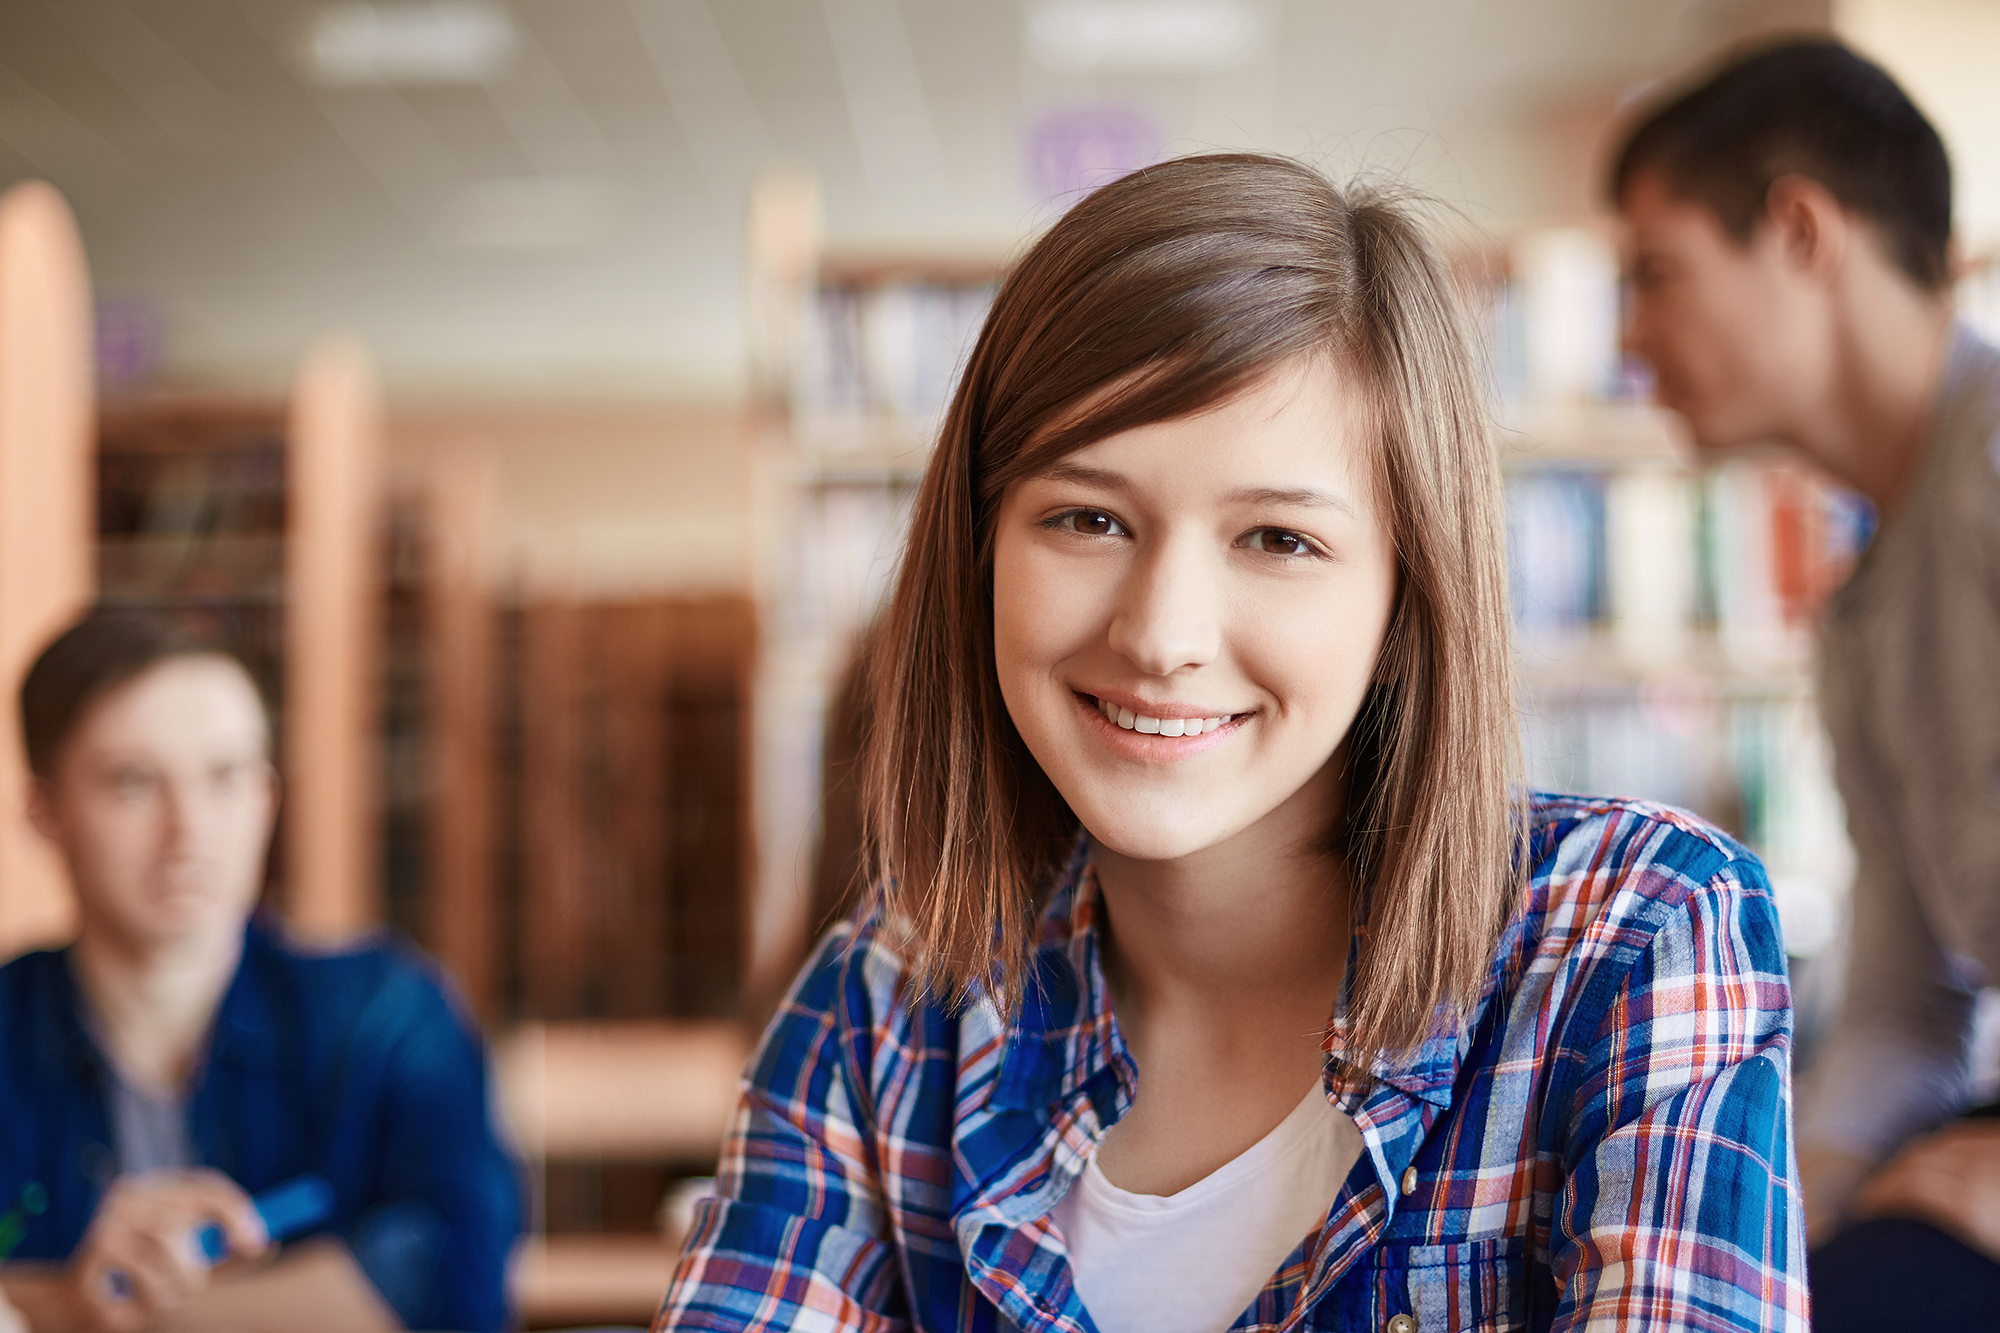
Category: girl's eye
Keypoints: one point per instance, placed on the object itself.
(1279, 541)
(1088, 523)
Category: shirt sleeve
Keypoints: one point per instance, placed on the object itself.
(447, 1208)
(1896, 1060)
(1679, 1208)
(797, 1236)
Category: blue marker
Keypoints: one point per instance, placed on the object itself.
(286, 1209)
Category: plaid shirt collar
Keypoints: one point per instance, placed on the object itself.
(1065, 1034)
(1064, 1076)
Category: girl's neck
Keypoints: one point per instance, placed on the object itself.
(156, 1002)
(1256, 922)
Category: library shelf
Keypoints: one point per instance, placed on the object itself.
(858, 376)
(1701, 661)
(1589, 433)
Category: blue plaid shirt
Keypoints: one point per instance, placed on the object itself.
(1605, 1143)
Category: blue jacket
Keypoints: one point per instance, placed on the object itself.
(355, 1065)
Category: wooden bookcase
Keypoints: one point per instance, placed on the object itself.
(874, 350)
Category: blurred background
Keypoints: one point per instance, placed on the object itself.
(532, 392)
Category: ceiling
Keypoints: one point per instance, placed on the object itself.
(564, 215)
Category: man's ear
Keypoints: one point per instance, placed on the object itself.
(1810, 227)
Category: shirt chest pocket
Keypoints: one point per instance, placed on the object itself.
(1471, 1287)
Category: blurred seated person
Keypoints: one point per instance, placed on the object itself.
(183, 1055)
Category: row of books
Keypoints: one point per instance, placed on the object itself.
(890, 350)
(1653, 556)
(154, 492)
(1549, 311)
(1757, 766)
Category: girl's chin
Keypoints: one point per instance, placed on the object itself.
(1151, 841)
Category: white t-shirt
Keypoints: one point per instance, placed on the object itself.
(1192, 1262)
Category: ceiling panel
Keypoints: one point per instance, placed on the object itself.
(573, 224)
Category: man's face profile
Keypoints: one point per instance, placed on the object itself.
(1725, 326)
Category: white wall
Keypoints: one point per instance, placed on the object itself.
(1946, 53)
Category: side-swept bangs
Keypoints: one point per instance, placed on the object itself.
(1158, 296)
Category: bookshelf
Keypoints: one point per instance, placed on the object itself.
(46, 422)
(878, 342)
(567, 791)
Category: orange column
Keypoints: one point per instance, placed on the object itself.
(332, 644)
(461, 512)
(47, 514)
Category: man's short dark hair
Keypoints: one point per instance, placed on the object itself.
(1810, 108)
(87, 661)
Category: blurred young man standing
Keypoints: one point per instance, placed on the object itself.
(1789, 225)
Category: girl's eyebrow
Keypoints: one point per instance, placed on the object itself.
(1294, 495)
(1063, 470)
(1308, 496)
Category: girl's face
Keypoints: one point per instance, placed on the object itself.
(1187, 615)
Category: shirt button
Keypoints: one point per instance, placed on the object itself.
(1401, 1323)
(1409, 1188)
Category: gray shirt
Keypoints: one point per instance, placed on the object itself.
(1910, 687)
(148, 1127)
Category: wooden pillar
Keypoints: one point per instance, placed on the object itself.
(461, 510)
(332, 644)
(47, 515)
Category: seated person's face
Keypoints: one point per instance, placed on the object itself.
(161, 801)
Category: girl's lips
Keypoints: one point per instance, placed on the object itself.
(1156, 745)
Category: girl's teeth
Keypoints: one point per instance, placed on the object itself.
(1155, 726)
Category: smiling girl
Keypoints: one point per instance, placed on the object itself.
(1219, 974)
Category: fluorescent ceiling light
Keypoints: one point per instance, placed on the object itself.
(432, 41)
(1145, 35)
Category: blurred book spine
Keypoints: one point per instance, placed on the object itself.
(881, 357)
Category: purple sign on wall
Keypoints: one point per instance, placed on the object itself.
(128, 343)
(1077, 149)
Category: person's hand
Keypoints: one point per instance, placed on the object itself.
(1828, 1178)
(145, 1230)
(1950, 1179)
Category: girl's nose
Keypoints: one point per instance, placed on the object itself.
(1169, 617)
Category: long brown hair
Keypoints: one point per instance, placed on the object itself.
(1159, 295)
